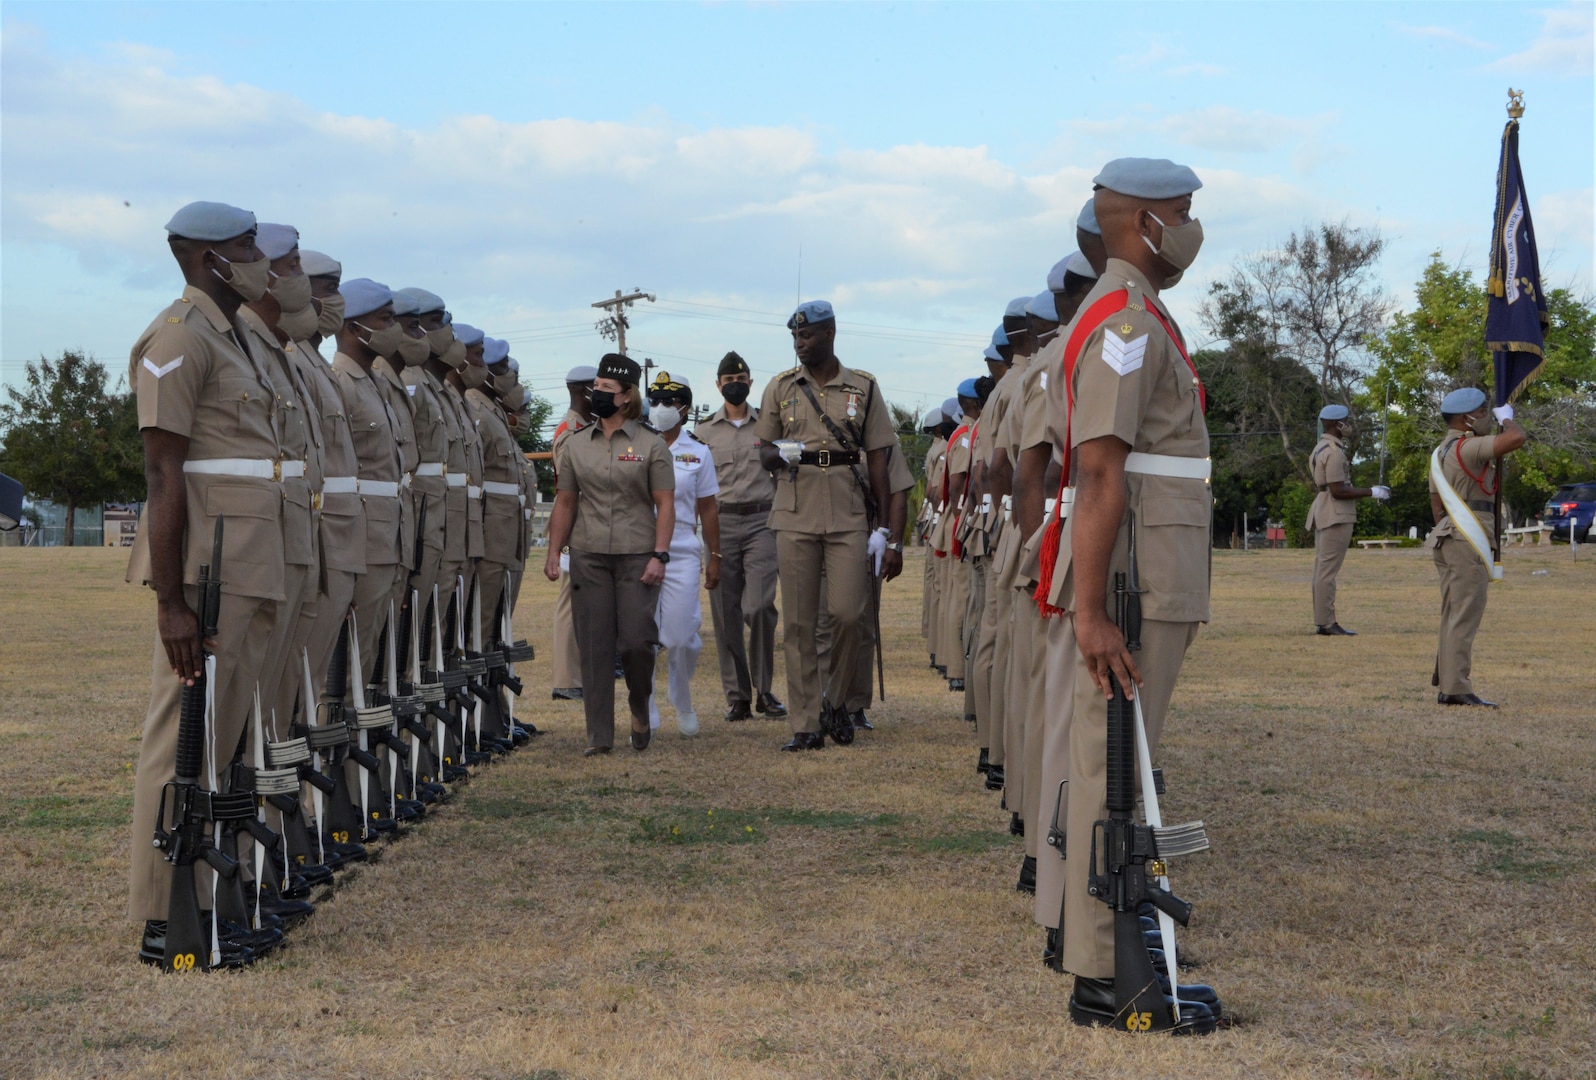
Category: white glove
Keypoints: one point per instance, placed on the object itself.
(565, 562)
(1381, 492)
(876, 548)
(1504, 414)
(790, 449)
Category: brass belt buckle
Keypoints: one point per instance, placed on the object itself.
(277, 470)
(823, 458)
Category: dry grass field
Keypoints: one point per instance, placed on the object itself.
(1396, 889)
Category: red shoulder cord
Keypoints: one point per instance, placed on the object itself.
(1479, 480)
(1094, 317)
(958, 547)
(557, 433)
(946, 476)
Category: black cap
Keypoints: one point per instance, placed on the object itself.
(620, 368)
(732, 364)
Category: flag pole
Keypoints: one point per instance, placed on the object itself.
(1515, 111)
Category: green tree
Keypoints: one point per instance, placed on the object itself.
(1439, 346)
(913, 444)
(68, 439)
(538, 438)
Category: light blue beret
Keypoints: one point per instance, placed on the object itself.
(1016, 308)
(210, 221)
(1334, 412)
(276, 240)
(362, 296)
(1043, 306)
(1087, 221)
(494, 350)
(581, 373)
(1147, 178)
(404, 303)
(952, 410)
(426, 302)
(993, 355)
(1462, 400)
(1000, 336)
(967, 389)
(932, 419)
(468, 335)
(1075, 263)
(315, 264)
(515, 365)
(809, 312)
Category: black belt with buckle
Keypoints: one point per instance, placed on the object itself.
(1481, 504)
(744, 508)
(827, 458)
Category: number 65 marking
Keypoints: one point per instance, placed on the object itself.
(1139, 1021)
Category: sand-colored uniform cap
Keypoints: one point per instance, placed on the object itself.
(210, 221)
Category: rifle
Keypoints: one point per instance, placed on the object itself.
(1127, 867)
(343, 823)
(186, 808)
(366, 720)
(514, 652)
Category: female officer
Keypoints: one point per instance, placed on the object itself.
(614, 507)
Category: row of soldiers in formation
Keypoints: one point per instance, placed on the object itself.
(375, 525)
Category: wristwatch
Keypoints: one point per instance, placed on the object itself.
(898, 547)
(663, 556)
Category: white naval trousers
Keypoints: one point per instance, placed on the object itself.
(680, 615)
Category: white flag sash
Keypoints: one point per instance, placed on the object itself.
(1463, 519)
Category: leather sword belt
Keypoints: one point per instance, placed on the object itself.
(1182, 468)
(745, 507)
(254, 468)
(827, 458)
(1481, 504)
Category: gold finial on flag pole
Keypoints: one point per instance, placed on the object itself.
(1515, 103)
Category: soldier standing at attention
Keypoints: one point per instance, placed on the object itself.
(825, 426)
(1463, 481)
(211, 448)
(616, 508)
(467, 372)
(956, 579)
(1137, 447)
(369, 330)
(430, 486)
(567, 661)
(1332, 515)
(747, 593)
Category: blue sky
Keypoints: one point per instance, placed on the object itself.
(928, 160)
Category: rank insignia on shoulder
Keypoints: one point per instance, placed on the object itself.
(1124, 356)
(163, 369)
(173, 319)
(1134, 307)
(1127, 329)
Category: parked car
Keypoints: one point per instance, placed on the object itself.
(1572, 509)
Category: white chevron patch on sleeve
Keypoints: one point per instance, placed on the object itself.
(165, 369)
(1123, 356)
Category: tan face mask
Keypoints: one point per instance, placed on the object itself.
(439, 340)
(385, 342)
(503, 383)
(291, 293)
(473, 375)
(331, 319)
(249, 280)
(413, 350)
(455, 356)
(298, 325)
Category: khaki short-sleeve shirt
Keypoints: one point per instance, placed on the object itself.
(1328, 464)
(503, 528)
(1468, 465)
(193, 377)
(299, 437)
(614, 478)
(736, 448)
(343, 520)
(372, 426)
(1131, 382)
(823, 499)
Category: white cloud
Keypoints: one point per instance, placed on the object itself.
(1563, 48)
(1441, 33)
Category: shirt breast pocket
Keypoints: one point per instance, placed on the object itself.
(244, 399)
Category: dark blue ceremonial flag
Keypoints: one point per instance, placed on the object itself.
(1515, 318)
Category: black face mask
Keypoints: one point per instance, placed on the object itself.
(603, 404)
(735, 393)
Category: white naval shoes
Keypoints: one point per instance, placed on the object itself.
(687, 724)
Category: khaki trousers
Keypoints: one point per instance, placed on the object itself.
(745, 598)
(1329, 551)
(928, 594)
(860, 680)
(327, 618)
(1057, 648)
(1007, 713)
(1088, 922)
(567, 658)
(283, 677)
(978, 661)
(614, 612)
(1464, 583)
(955, 605)
(803, 558)
(939, 575)
(373, 590)
(244, 629)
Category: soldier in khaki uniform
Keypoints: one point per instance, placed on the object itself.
(824, 425)
(950, 545)
(370, 329)
(425, 332)
(747, 593)
(211, 448)
(930, 424)
(936, 478)
(387, 375)
(567, 660)
(984, 687)
(1332, 515)
(615, 507)
(1463, 481)
(467, 372)
(503, 526)
(1138, 445)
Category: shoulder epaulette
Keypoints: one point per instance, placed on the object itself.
(794, 370)
(862, 371)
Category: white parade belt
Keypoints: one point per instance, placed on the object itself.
(455, 479)
(499, 487)
(385, 489)
(430, 468)
(404, 481)
(1008, 508)
(473, 492)
(340, 485)
(1183, 468)
(255, 468)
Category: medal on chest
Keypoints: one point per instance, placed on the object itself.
(853, 404)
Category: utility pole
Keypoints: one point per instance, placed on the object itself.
(613, 325)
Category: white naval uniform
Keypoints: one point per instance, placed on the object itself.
(681, 611)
